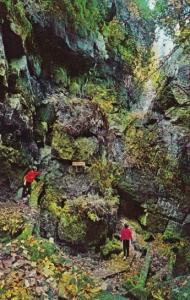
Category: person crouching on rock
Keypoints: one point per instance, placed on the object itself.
(30, 176)
(126, 237)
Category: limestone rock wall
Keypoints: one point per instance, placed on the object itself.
(67, 85)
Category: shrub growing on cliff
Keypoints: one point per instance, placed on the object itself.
(61, 76)
(119, 41)
(82, 15)
(51, 201)
(19, 22)
(62, 143)
(71, 226)
(111, 247)
(102, 95)
(104, 173)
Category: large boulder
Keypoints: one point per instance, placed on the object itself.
(87, 221)
(84, 220)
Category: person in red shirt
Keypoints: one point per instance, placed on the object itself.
(126, 237)
(28, 179)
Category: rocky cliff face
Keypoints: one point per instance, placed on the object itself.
(74, 79)
(68, 82)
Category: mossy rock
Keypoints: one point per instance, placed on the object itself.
(36, 190)
(9, 154)
(153, 222)
(12, 164)
(72, 228)
(51, 201)
(85, 148)
(63, 145)
(69, 148)
(180, 116)
(182, 262)
(19, 23)
(173, 232)
(85, 220)
(111, 247)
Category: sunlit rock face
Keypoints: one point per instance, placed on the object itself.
(157, 157)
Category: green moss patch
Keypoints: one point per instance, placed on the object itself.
(111, 247)
(68, 148)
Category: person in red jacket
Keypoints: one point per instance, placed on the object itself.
(28, 179)
(126, 237)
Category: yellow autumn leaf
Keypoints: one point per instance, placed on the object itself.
(95, 290)
(72, 289)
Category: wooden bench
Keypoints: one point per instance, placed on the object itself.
(79, 165)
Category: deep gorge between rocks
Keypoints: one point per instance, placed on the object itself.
(106, 84)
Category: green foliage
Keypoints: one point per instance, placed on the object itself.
(27, 231)
(118, 41)
(74, 88)
(143, 218)
(36, 190)
(109, 296)
(104, 173)
(36, 62)
(69, 148)
(73, 227)
(17, 65)
(85, 148)
(83, 15)
(41, 131)
(51, 200)
(18, 21)
(39, 248)
(143, 9)
(111, 247)
(102, 95)
(136, 284)
(181, 292)
(62, 143)
(180, 115)
(135, 288)
(61, 76)
(79, 286)
(146, 151)
(114, 32)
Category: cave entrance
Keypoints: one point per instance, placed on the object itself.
(129, 207)
(12, 43)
